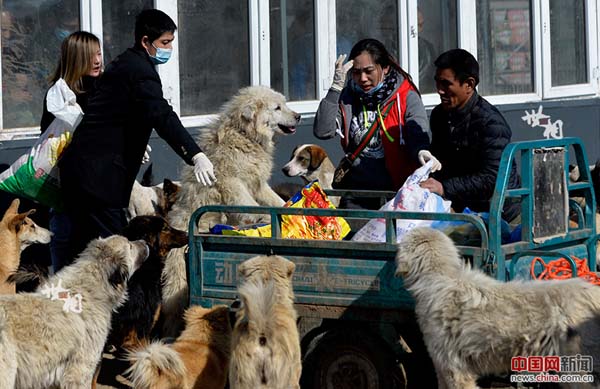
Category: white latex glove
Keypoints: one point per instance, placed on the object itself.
(426, 156)
(146, 157)
(341, 70)
(203, 169)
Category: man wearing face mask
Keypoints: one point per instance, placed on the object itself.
(381, 120)
(100, 165)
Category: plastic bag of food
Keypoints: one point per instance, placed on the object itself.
(35, 175)
(300, 226)
(410, 197)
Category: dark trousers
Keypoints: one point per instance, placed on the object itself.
(60, 245)
(91, 223)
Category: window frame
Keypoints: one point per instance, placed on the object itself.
(571, 90)
(325, 53)
(519, 98)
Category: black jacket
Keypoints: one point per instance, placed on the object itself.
(469, 144)
(103, 159)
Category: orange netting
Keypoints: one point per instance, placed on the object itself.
(560, 269)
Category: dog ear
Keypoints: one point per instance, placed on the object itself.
(249, 112)
(13, 209)
(119, 274)
(317, 155)
(290, 269)
(17, 221)
(170, 188)
(242, 270)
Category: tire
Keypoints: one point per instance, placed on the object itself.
(350, 360)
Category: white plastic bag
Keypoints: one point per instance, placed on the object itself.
(410, 197)
(35, 175)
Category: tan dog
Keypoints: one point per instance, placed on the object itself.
(266, 344)
(311, 162)
(473, 324)
(199, 358)
(55, 336)
(17, 231)
(240, 145)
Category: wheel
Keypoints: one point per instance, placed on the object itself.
(350, 360)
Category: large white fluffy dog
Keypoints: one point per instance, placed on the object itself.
(240, 146)
(473, 324)
(266, 344)
(55, 336)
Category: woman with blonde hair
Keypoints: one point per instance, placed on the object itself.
(79, 65)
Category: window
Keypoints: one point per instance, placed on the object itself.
(213, 53)
(359, 19)
(568, 42)
(31, 36)
(293, 48)
(528, 50)
(437, 34)
(118, 25)
(504, 48)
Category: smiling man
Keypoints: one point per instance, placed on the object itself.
(468, 137)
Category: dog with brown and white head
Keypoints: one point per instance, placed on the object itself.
(311, 162)
(55, 337)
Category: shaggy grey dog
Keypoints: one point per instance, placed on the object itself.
(473, 324)
(55, 336)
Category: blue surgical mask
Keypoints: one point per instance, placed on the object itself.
(162, 55)
(61, 33)
(375, 89)
(370, 92)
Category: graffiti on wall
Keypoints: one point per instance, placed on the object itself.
(539, 119)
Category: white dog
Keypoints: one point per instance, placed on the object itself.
(240, 146)
(56, 336)
(472, 324)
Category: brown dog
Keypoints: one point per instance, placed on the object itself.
(17, 231)
(199, 358)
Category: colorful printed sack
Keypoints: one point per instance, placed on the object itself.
(35, 175)
(300, 226)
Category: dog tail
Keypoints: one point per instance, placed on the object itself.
(22, 275)
(259, 299)
(155, 365)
